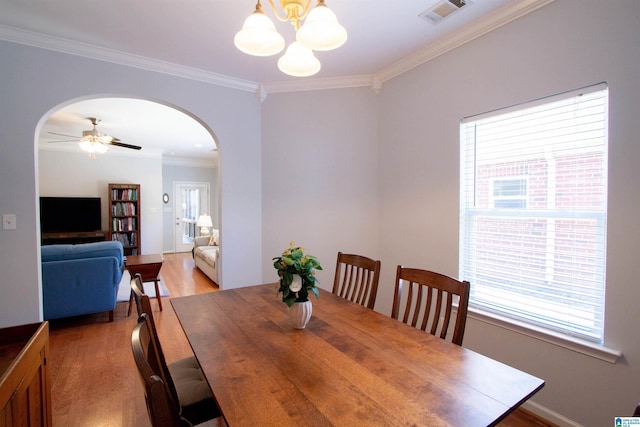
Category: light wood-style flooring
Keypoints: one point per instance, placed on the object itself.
(93, 375)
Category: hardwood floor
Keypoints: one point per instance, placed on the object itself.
(93, 375)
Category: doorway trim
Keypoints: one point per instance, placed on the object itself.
(179, 245)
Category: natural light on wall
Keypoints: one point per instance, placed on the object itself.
(533, 211)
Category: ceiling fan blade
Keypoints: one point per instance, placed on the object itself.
(64, 134)
(118, 143)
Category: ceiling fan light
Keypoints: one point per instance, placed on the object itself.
(299, 61)
(86, 146)
(92, 147)
(100, 148)
(321, 30)
(90, 135)
(258, 36)
(105, 139)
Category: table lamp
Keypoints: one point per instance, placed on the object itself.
(204, 222)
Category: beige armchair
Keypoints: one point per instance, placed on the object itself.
(206, 253)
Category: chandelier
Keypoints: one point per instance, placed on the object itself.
(320, 31)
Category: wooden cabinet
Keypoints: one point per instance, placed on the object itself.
(124, 216)
(73, 238)
(25, 384)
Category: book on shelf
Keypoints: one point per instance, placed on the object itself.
(124, 216)
(124, 194)
(127, 239)
(124, 224)
(123, 209)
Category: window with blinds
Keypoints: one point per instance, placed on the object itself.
(533, 211)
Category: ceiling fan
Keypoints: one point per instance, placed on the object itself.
(95, 141)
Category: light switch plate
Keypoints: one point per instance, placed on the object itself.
(9, 222)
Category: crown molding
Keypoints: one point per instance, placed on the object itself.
(497, 19)
(318, 84)
(209, 163)
(86, 50)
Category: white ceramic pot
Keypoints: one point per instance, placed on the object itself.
(300, 313)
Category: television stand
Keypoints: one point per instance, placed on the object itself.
(73, 238)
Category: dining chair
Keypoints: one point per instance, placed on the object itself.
(429, 300)
(187, 385)
(162, 410)
(357, 279)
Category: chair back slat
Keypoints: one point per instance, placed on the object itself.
(428, 299)
(357, 279)
(143, 305)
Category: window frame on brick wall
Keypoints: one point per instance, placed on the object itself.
(541, 263)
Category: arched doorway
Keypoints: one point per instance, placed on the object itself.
(175, 145)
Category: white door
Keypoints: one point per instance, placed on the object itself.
(190, 201)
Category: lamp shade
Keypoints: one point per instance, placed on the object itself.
(321, 30)
(299, 61)
(258, 36)
(93, 147)
(204, 221)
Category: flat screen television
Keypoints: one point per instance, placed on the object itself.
(70, 214)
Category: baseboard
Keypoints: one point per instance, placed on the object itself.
(548, 416)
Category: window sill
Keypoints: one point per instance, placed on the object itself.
(584, 347)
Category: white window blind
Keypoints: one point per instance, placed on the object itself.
(533, 211)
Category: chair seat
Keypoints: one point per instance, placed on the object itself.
(190, 382)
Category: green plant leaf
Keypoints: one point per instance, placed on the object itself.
(290, 299)
(287, 278)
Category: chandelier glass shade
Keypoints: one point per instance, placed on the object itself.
(320, 31)
(259, 36)
(299, 61)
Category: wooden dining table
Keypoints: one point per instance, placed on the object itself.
(350, 366)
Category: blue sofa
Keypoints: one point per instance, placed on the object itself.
(81, 279)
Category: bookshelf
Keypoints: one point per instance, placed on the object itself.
(124, 216)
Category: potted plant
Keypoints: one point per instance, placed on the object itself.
(296, 271)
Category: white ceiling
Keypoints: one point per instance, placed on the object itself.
(197, 35)
(158, 129)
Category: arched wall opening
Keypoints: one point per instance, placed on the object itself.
(62, 169)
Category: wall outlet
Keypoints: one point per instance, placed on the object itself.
(9, 222)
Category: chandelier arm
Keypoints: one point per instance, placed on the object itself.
(307, 8)
(275, 11)
(290, 9)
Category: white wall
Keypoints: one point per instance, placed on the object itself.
(348, 170)
(35, 82)
(565, 45)
(320, 179)
(69, 174)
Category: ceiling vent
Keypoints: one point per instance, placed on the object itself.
(443, 9)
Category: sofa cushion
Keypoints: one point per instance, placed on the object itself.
(84, 250)
(209, 254)
(79, 286)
